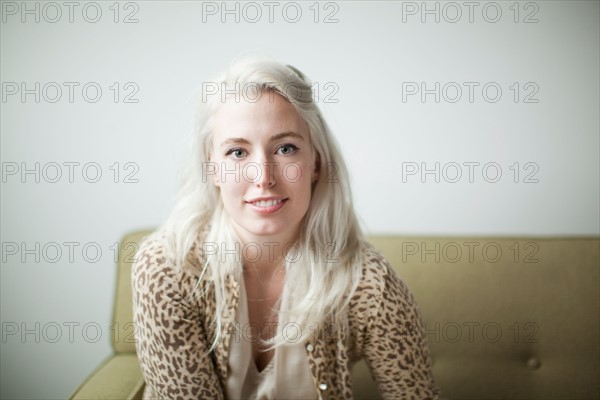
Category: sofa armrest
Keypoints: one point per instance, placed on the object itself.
(119, 377)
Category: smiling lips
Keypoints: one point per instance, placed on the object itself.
(267, 205)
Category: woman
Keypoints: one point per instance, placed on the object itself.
(260, 283)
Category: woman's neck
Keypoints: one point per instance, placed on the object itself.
(265, 256)
(263, 253)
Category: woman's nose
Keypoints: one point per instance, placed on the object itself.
(265, 174)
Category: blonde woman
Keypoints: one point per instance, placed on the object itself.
(260, 284)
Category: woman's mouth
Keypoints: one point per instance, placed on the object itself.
(267, 206)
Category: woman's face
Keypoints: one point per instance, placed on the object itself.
(263, 163)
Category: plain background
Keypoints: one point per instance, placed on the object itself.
(56, 307)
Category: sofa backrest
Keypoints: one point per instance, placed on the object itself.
(505, 317)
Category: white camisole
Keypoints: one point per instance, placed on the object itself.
(287, 376)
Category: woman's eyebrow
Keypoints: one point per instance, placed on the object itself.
(234, 140)
(277, 136)
(286, 134)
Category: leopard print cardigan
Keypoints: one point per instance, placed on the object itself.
(172, 332)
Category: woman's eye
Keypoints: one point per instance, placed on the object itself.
(287, 149)
(237, 153)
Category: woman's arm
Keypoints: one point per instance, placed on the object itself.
(170, 340)
(395, 346)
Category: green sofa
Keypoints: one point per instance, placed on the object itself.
(506, 318)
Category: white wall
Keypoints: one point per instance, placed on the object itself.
(373, 52)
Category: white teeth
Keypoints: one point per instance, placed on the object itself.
(269, 203)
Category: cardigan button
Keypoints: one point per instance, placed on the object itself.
(322, 386)
(310, 347)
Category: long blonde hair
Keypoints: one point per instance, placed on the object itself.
(322, 283)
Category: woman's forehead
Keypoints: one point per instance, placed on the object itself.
(268, 116)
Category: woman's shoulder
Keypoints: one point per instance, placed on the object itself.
(380, 299)
(152, 249)
(155, 260)
(375, 266)
(379, 280)
(151, 261)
